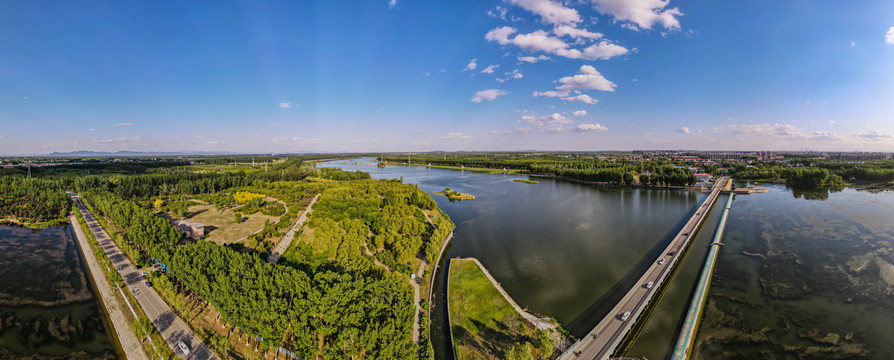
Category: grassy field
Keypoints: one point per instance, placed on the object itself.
(526, 181)
(483, 323)
(222, 224)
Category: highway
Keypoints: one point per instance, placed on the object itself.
(171, 327)
(602, 341)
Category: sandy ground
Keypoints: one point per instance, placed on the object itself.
(128, 340)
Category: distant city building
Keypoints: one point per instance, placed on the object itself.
(717, 156)
(190, 229)
(703, 177)
(687, 158)
(860, 156)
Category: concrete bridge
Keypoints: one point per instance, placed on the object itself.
(605, 338)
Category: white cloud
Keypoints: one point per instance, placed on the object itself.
(498, 12)
(831, 121)
(640, 14)
(92, 130)
(214, 142)
(295, 139)
(489, 69)
(584, 98)
(488, 94)
(588, 79)
(874, 136)
(540, 40)
(568, 30)
(456, 135)
(683, 130)
(889, 36)
(500, 34)
(591, 127)
(392, 3)
(580, 113)
(124, 124)
(285, 105)
(853, 44)
(550, 11)
(515, 74)
(532, 59)
(472, 65)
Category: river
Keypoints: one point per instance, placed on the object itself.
(48, 307)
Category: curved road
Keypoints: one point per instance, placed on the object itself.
(600, 342)
(171, 327)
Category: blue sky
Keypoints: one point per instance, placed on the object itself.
(411, 75)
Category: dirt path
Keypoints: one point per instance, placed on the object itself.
(539, 323)
(129, 341)
(287, 240)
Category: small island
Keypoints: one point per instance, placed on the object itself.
(526, 181)
(454, 195)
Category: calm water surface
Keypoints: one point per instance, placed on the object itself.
(47, 303)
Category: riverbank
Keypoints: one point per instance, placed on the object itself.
(526, 181)
(475, 169)
(487, 324)
(126, 338)
(33, 225)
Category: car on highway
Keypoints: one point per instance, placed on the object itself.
(183, 347)
(650, 284)
(661, 262)
(625, 316)
(144, 274)
(148, 284)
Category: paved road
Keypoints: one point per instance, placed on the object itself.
(129, 341)
(287, 240)
(171, 327)
(600, 342)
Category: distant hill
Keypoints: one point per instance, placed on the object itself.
(88, 153)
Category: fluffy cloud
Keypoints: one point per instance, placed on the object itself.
(489, 69)
(875, 135)
(392, 3)
(580, 113)
(889, 36)
(500, 34)
(591, 127)
(472, 65)
(285, 105)
(640, 14)
(124, 124)
(532, 59)
(214, 142)
(488, 94)
(498, 12)
(683, 130)
(588, 79)
(584, 98)
(456, 135)
(551, 12)
(542, 41)
(568, 30)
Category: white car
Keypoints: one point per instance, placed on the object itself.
(661, 262)
(183, 347)
(625, 315)
(649, 285)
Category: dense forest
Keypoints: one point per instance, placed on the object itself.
(571, 166)
(33, 200)
(815, 173)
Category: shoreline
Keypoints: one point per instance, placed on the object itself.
(125, 338)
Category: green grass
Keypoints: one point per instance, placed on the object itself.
(483, 323)
(526, 181)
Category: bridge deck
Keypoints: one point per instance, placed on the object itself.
(609, 333)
